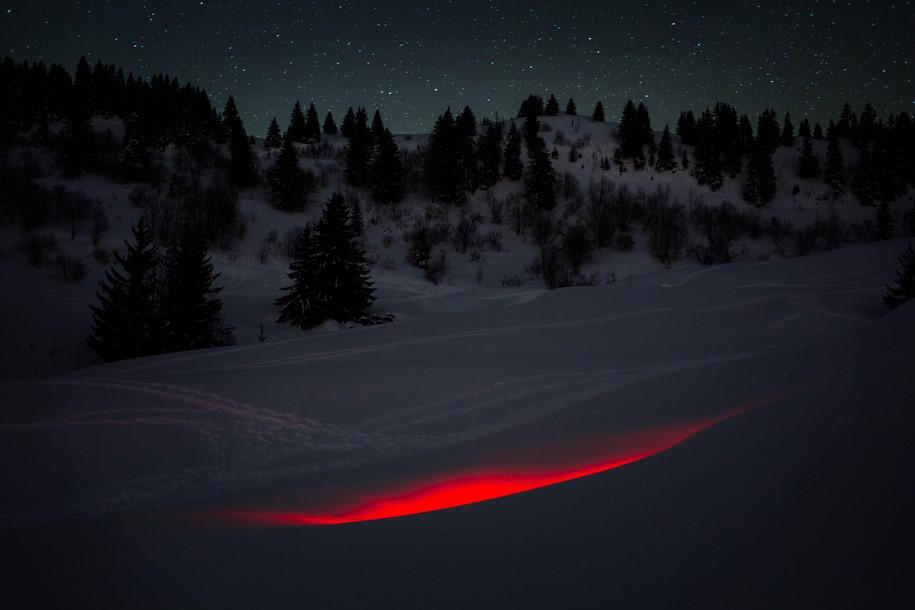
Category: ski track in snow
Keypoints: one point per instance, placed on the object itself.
(268, 435)
(299, 359)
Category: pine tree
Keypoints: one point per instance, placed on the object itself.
(341, 265)
(443, 173)
(386, 171)
(803, 130)
(190, 307)
(513, 168)
(904, 289)
(288, 184)
(760, 188)
(686, 128)
(125, 322)
(489, 152)
(539, 178)
(629, 132)
(242, 160)
(377, 126)
(330, 127)
(532, 107)
(274, 138)
(312, 125)
(571, 109)
(645, 134)
(817, 132)
(847, 124)
(552, 106)
(767, 131)
(809, 165)
(302, 303)
(466, 130)
(358, 151)
(349, 123)
(788, 131)
(867, 127)
(665, 160)
(707, 156)
(598, 114)
(835, 166)
(297, 129)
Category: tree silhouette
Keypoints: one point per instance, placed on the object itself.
(904, 289)
(125, 323)
(274, 138)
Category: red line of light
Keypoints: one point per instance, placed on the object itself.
(459, 489)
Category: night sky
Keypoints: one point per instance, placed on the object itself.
(412, 59)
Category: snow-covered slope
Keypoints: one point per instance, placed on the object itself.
(762, 409)
(806, 498)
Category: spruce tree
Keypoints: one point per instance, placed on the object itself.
(340, 263)
(297, 129)
(312, 125)
(489, 152)
(358, 151)
(302, 303)
(817, 132)
(377, 126)
(629, 132)
(552, 106)
(835, 166)
(848, 122)
(788, 131)
(809, 164)
(539, 178)
(571, 109)
(125, 323)
(803, 130)
(645, 134)
(598, 114)
(386, 171)
(513, 168)
(288, 184)
(466, 130)
(904, 289)
(330, 127)
(686, 128)
(242, 160)
(443, 175)
(349, 123)
(767, 131)
(707, 156)
(274, 138)
(665, 160)
(190, 308)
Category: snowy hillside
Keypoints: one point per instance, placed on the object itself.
(797, 390)
(671, 435)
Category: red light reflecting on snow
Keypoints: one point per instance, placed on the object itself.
(453, 489)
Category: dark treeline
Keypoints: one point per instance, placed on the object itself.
(462, 156)
(160, 109)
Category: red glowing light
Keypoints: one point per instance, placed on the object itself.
(450, 490)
